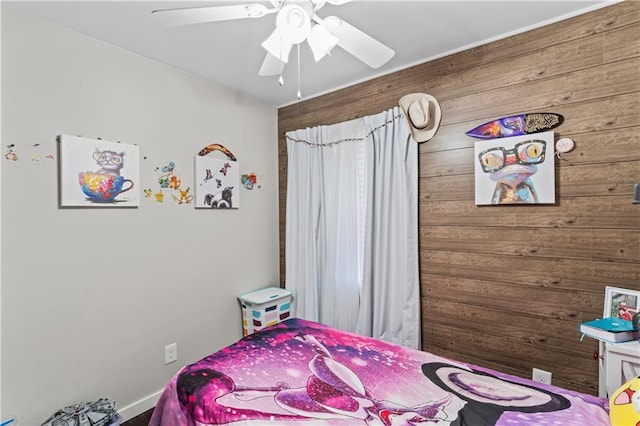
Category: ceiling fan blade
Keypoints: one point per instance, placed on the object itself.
(271, 66)
(359, 44)
(199, 15)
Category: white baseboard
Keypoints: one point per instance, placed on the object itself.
(140, 406)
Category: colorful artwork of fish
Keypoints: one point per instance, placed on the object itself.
(517, 125)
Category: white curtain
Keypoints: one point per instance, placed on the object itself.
(390, 293)
(351, 227)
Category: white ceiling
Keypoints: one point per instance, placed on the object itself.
(229, 53)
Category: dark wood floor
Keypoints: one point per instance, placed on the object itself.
(140, 420)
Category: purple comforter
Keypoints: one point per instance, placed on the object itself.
(301, 372)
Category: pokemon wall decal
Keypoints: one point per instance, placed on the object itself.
(249, 181)
(184, 196)
(170, 183)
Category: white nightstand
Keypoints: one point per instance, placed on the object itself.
(620, 363)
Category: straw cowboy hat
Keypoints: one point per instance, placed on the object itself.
(423, 115)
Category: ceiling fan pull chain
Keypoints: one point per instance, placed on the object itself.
(299, 95)
(281, 79)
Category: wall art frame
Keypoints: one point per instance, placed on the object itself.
(217, 180)
(98, 173)
(621, 303)
(515, 170)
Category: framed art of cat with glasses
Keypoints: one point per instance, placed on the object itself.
(97, 173)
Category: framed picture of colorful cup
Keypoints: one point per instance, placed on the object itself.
(515, 170)
(97, 173)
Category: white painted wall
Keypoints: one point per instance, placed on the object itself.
(90, 297)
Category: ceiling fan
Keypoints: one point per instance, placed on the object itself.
(296, 21)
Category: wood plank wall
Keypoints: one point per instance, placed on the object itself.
(506, 286)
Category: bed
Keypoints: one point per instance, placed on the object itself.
(302, 372)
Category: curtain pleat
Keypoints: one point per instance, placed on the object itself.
(390, 294)
(323, 229)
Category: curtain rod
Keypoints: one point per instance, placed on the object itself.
(339, 141)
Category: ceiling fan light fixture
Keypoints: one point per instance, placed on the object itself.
(321, 41)
(278, 46)
(271, 66)
(294, 23)
(333, 21)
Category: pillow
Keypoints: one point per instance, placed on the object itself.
(624, 404)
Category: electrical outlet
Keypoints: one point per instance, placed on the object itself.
(170, 353)
(541, 376)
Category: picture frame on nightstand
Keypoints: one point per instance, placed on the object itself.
(618, 361)
(621, 303)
